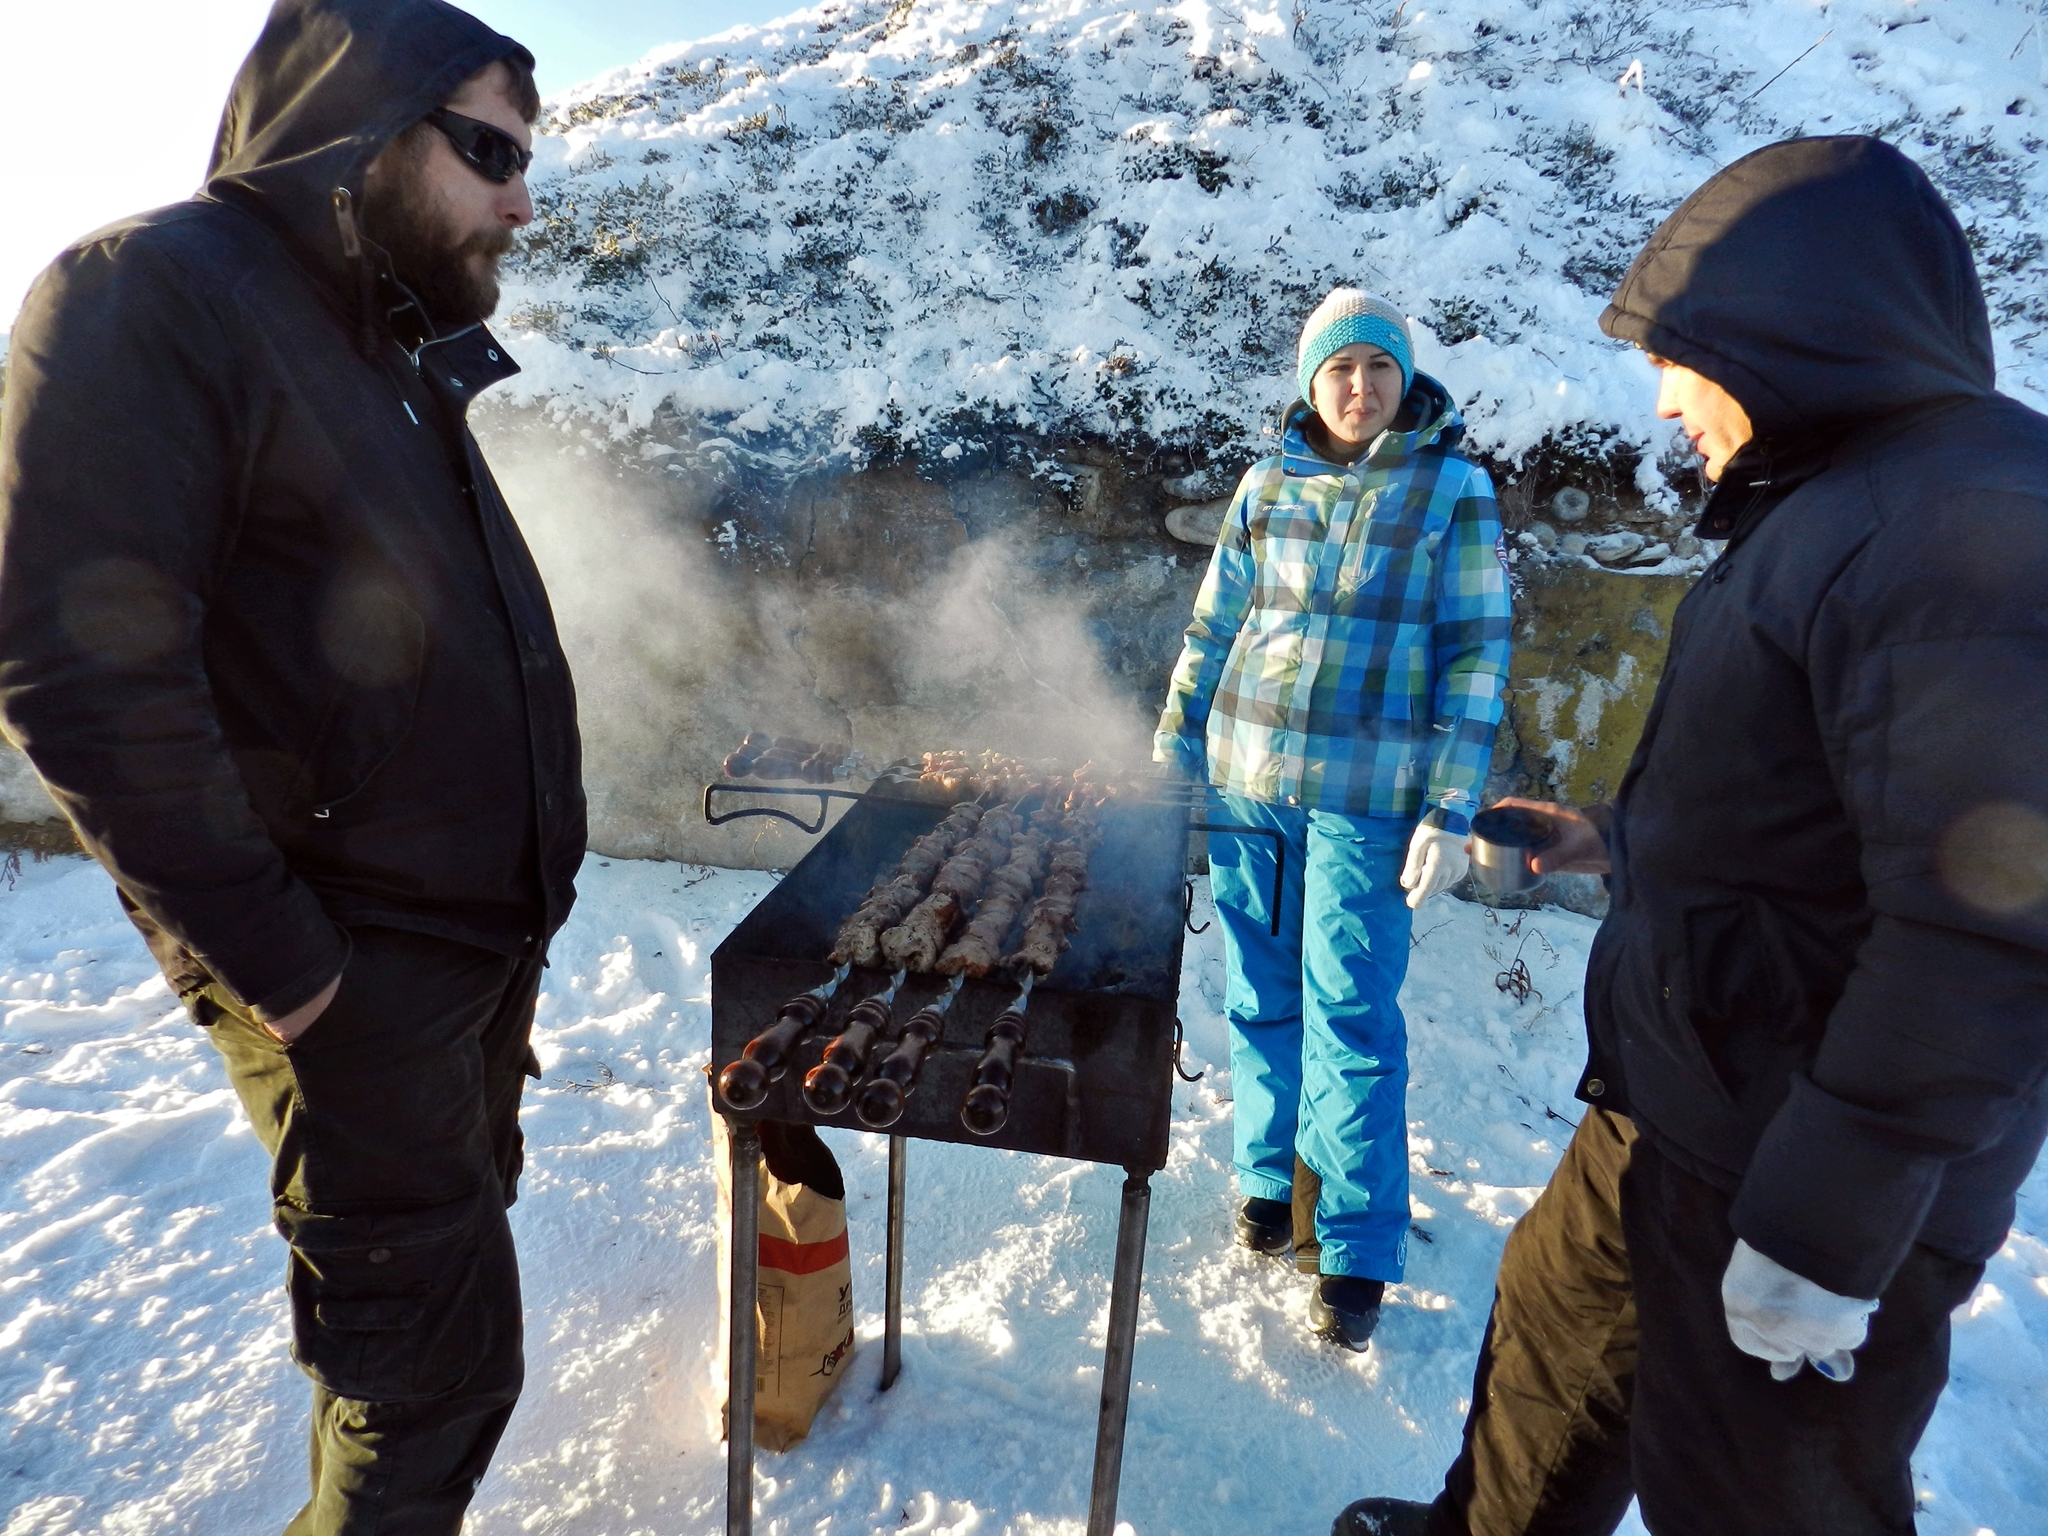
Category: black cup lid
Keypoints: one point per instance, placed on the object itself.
(1510, 826)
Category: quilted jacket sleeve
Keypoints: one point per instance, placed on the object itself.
(1220, 608)
(1470, 639)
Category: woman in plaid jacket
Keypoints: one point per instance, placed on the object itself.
(1341, 684)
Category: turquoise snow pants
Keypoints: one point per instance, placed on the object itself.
(1318, 1047)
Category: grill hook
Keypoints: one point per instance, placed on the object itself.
(1238, 829)
(1179, 1039)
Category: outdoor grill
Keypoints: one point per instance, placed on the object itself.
(1091, 1079)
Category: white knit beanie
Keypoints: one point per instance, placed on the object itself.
(1346, 316)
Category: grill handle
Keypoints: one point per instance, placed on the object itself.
(1238, 829)
(809, 828)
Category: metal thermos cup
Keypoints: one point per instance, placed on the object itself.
(1505, 841)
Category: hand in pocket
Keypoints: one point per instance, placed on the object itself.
(301, 1018)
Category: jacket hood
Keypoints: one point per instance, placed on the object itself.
(327, 86)
(1427, 403)
(1819, 281)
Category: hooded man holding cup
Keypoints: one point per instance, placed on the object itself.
(1818, 1008)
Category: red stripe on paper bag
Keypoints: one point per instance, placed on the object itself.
(801, 1258)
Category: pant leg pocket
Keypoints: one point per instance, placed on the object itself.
(384, 1304)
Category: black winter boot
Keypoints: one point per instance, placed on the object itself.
(1345, 1310)
(1266, 1226)
(1382, 1517)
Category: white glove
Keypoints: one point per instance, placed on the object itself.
(1788, 1320)
(1437, 860)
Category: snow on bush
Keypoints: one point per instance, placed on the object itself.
(914, 224)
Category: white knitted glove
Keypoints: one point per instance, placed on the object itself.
(1437, 860)
(1788, 1320)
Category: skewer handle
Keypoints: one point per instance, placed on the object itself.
(744, 1084)
(880, 1102)
(829, 1085)
(986, 1109)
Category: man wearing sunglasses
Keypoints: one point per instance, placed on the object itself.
(444, 199)
(272, 639)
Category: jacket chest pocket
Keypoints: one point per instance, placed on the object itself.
(1383, 551)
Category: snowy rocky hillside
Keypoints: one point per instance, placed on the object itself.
(921, 224)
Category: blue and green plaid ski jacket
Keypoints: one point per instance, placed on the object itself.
(1350, 642)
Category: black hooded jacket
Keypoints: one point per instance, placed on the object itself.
(267, 629)
(1824, 980)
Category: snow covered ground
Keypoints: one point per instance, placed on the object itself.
(144, 1384)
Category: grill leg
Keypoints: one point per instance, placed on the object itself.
(743, 1344)
(1116, 1360)
(892, 1306)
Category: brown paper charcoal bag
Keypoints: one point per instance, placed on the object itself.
(804, 1300)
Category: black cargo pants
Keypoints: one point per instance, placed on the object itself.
(392, 1125)
(1607, 1373)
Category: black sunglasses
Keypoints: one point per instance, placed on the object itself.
(491, 152)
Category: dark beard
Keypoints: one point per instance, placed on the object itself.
(402, 216)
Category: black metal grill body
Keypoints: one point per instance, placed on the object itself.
(1096, 1076)
(1094, 1081)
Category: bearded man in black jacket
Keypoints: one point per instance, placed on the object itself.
(273, 641)
(1818, 1009)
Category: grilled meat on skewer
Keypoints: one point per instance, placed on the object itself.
(918, 941)
(740, 762)
(784, 759)
(1051, 917)
(987, 774)
(901, 889)
(790, 757)
(1045, 935)
(1047, 924)
(914, 944)
(835, 760)
(967, 871)
(979, 949)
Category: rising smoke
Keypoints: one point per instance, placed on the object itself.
(897, 634)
